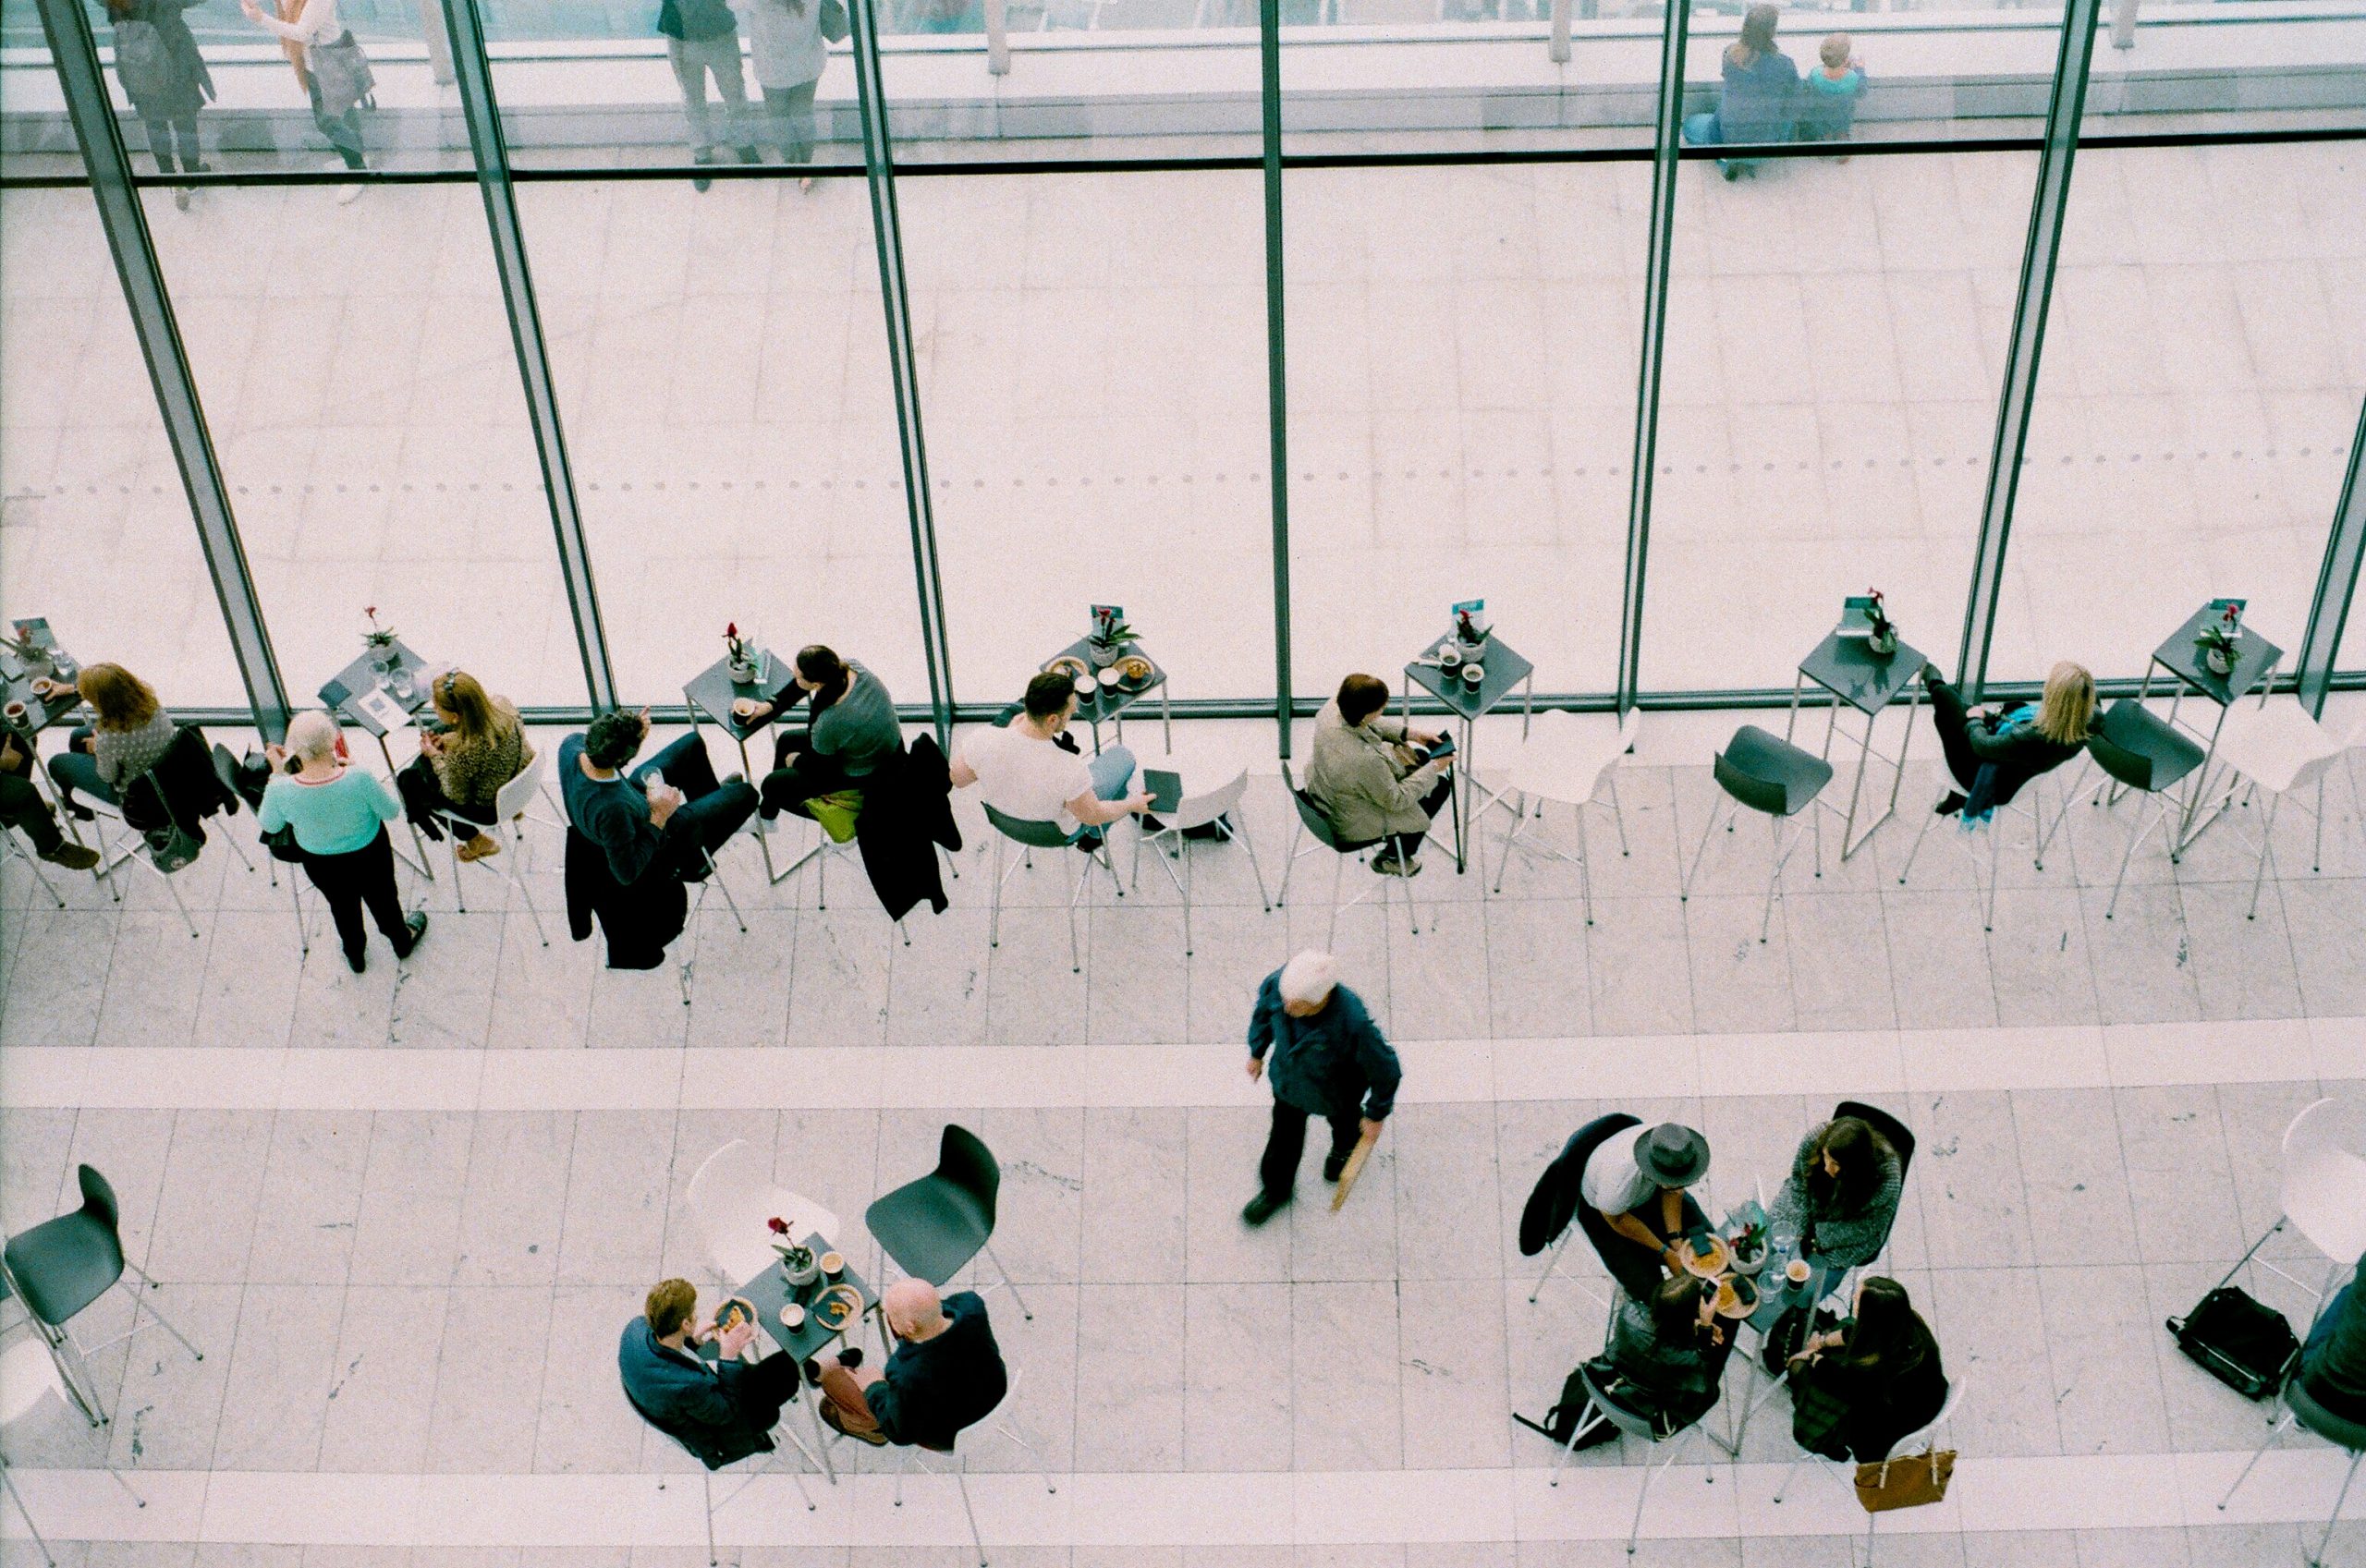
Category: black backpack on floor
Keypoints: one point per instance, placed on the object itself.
(2239, 1340)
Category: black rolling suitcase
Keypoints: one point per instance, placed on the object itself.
(2238, 1340)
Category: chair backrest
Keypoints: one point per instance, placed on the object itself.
(729, 1199)
(2332, 1427)
(2130, 768)
(226, 768)
(511, 799)
(1760, 795)
(2324, 1176)
(1912, 1443)
(1627, 1421)
(98, 1198)
(1034, 834)
(964, 1162)
(1900, 1138)
(1310, 813)
(1199, 810)
(1580, 1150)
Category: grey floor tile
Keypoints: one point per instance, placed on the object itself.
(2101, 1337)
(1346, 1404)
(2179, 1180)
(1740, 983)
(936, 987)
(56, 993)
(641, 1009)
(487, 1400)
(1968, 1172)
(2039, 960)
(36, 1165)
(2143, 953)
(740, 996)
(1134, 1195)
(1134, 984)
(614, 1226)
(2242, 962)
(155, 978)
(838, 979)
(248, 994)
(380, 1382)
(2161, 1548)
(1992, 1326)
(584, 1423)
(543, 995)
(128, 1148)
(1454, 1377)
(1129, 1376)
(2328, 923)
(1225, 1145)
(1233, 949)
(1448, 1204)
(1039, 1213)
(1536, 969)
(1636, 954)
(1839, 949)
(170, 1404)
(1438, 981)
(275, 1398)
(205, 1217)
(447, 1004)
(2074, 1169)
(409, 1225)
(310, 1202)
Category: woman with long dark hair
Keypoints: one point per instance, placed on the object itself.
(1759, 99)
(156, 61)
(1858, 1387)
(1842, 1195)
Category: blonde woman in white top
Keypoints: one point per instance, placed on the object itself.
(336, 76)
(786, 46)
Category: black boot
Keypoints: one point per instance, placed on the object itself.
(1263, 1207)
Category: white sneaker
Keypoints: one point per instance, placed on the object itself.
(346, 195)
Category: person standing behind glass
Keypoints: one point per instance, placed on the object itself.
(703, 38)
(1760, 101)
(337, 77)
(129, 734)
(339, 816)
(157, 63)
(786, 44)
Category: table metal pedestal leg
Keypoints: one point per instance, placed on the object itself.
(418, 844)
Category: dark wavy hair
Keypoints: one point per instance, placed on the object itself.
(1863, 1156)
(1889, 1337)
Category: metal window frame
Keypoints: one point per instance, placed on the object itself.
(115, 187)
(115, 190)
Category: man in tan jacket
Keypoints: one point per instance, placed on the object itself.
(1367, 779)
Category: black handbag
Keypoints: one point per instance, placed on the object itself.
(2238, 1340)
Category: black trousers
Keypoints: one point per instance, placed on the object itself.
(1285, 1145)
(1433, 803)
(759, 1391)
(798, 774)
(711, 810)
(1953, 721)
(362, 878)
(22, 807)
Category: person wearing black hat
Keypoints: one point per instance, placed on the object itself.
(1636, 1181)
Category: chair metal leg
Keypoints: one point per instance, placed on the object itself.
(1255, 870)
(1787, 1475)
(1585, 864)
(1581, 1430)
(32, 865)
(993, 920)
(1618, 811)
(1289, 866)
(2266, 855)
(2317, 1558)
(517, 848)
(1684, 880)
(1774, 879)
(2129, 854)
(452, 851)
(303, 931)
(2269, 1441)
(706, 1486)
(1008, 1284)
(1184, 847)
(27, 1514)
(1520, 825)
(961, 1483)
(71, 1372)
(1552, 1261)
(139, 1300)
(1338, 869)
(1912, 853)
(1651, 1473)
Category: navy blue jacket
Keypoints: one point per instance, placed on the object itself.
(1334, 1065)
(932, 1388)
(677, 1394)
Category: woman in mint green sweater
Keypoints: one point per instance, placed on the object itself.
(339, 815)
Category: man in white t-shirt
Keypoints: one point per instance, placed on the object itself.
(1022, 773)
(1636, 1181)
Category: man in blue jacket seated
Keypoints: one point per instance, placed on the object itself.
(946, 1374)
(721, 1410)
(1328, 1061)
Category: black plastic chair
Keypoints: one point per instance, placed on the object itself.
(933, 1227)
(1574, 1154)
(1311, 821)
(2300, 1408)
(1899, 1138)
(2138, 750)
(61, 1266)
(1769, 775)
(1031, 835)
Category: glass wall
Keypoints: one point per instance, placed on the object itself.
(1465, 225)
(721, 368)
(357, 369)
(2202, 382)
(94, 525)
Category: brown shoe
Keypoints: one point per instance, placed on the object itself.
(73, 857)
(478, 847)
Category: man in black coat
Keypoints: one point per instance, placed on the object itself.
(720, 1410)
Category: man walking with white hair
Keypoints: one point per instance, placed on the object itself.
(1328, 1061)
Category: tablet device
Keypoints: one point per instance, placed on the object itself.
(1444, 747)
(334, 693)
(1165, 789)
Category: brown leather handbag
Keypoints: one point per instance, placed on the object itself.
(1911, 1480)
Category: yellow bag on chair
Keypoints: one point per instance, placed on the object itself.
(836, 813)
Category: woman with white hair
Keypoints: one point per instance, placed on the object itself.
(1328, 1061)
(339, 816)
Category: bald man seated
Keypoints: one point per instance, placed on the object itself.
(946, 1374)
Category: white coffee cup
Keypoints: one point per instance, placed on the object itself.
(1797, 1270)
(792, 1316)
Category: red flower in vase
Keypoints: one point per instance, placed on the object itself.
(778, 1226)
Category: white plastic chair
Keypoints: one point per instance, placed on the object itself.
(1218, 809)
(1564, 761)
(2325, 1189)
(2282, 751)
(731, 1197)
(767, 1460)
(909, 1454)
(1905, 1451)
(28, 1378)
(510, 804)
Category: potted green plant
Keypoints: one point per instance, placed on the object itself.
(385, 657)
(1108, 642)
(1883, 643)
(1749, 1248)
(796, 1261)
(2217, 643)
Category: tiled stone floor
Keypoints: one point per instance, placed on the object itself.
(411, 1283)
